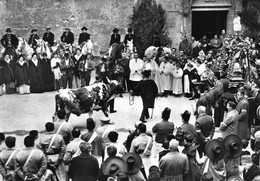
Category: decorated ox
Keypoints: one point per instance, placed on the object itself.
(88, 98)
(210, 98)
(87, 47)
(42, 47)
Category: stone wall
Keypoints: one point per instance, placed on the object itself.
(100, 16)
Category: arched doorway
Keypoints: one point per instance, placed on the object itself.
(209, 17)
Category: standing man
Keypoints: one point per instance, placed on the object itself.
(53, 146)
(188, 129)
(67, 37)
(33, 37)
(30, 163)
(84, 166)
(85, 68)
(205, 128)
(229, 124)
(174, 165)
(129, 37)
(148, 91)
(9, 41)
(48, 36)
(72, 149)
(185, 46)
(242, 109)
(162, 130)
(62, 127)
(84, 36)
(142, 145)
(67, 69)
(124, 62)
(136, 66)
(115, 37)
(8, 159)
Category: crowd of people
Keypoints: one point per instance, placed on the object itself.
(186, 153)
(168, 153)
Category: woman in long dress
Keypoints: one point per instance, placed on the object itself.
(21, 76)
(76, 59)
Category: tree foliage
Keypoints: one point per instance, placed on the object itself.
(250, 15)
(147, 19)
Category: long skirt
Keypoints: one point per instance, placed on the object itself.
(177, 86)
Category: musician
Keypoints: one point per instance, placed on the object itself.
(48, 37)
(115, 37)
(84, 36)
(148, 91)
(33, 37)
(129, 37)
(9, 41)
(67, 36)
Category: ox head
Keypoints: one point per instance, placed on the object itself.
(116, 87)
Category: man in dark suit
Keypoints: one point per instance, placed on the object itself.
(115, 37)
(129, 37)
(67, 36)
(33, 37)
(84, 36)
(9, 41)
(205, 128)
(48, 37)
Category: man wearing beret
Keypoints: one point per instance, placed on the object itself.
(48, 37)
(33, 37)
(67, 36)
(84, 36)
(9, 41)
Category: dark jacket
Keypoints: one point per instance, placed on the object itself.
(67, 69)
(156, 41)
(84, 168)
(32, 40)
(115, 38)
(13, 38)
(48, 76)
(21, 74)
(7, 71)
(67, 37)
(148, 91)
(129, 37)
(48, 37)
(205, 127)
(83, 37)
(36, 77)
(251, 173)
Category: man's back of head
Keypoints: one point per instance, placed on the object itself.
(201, 109)
(173, 145)
(142, 128)
(10, 141)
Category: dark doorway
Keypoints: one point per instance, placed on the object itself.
(208, 22)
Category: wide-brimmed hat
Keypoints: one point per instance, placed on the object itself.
(166, 113)
(258, 112)
(215, 149)
(48, 28)
(8, 30)
(133, 163)
(235, 178)
(84, 28)
(105, 119)
(34, 30)
(115, 30)
(67, 28)
(113, 165)
(233, 146)
(189, 149)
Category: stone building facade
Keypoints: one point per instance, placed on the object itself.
(191, 17)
